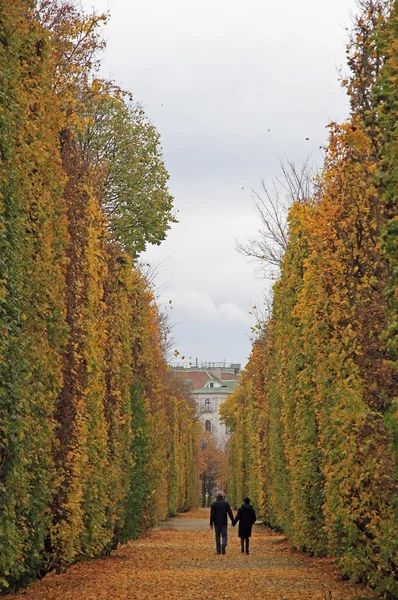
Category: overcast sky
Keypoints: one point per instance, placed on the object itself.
(233, 88)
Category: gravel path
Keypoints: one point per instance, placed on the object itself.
(177, 560)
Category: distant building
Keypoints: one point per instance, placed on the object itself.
(210, 384)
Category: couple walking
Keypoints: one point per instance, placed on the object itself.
(219, 521)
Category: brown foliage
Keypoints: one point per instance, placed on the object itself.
(181, 564)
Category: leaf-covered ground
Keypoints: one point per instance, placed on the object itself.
(178, 561)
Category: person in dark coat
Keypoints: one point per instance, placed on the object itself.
(218, 519)
(247, 517)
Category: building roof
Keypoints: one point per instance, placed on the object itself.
(196, 379)
(229, 376)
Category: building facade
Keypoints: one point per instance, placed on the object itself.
(210, 384)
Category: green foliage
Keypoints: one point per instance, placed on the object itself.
(119, 410)
(81, 457)
(125, 146)
(323, 372)
(86, 409)
(385, 111)
(386, 101)
(183, 459)
(32, 324)
(139, 486)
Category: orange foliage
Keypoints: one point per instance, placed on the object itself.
(311, 441)
(85, 400)
(181, 564)
(213, 465)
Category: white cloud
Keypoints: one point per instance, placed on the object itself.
(232, 313)
(193, 304)
(231, 87)
(199, 306)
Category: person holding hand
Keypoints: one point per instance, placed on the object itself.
(219, 521)
(246, 516)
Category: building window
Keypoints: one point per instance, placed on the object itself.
(207, 405)
(211, 384)
(207, 425)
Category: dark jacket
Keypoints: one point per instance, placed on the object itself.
(219, 511)
(246, 517)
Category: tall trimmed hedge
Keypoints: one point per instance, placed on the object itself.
(314, 419)
(96, 442)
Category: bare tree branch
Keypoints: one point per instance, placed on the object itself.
(295, 184)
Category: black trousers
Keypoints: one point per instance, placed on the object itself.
(245, 542)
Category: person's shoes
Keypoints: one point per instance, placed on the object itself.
(242, 550)
(223, 549)
(247, 552)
